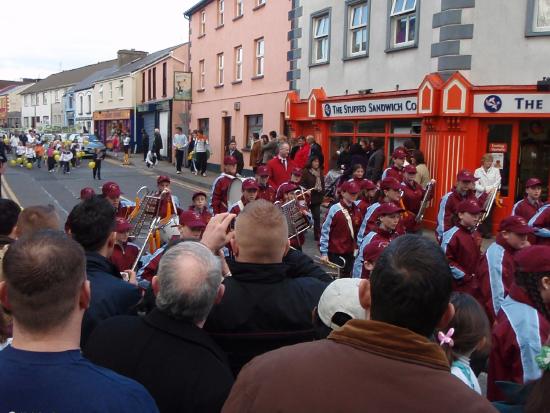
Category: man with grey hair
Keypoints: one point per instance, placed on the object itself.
(167, 351)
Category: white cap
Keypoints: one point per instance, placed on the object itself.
(342, 296)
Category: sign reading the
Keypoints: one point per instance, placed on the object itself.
(512, 103)
(372, 107)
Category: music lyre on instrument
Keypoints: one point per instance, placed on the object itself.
(153, 226)
(425, 200)
(332, 266)
(487, 206)
(296, 221)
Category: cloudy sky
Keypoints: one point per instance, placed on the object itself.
(44, 37)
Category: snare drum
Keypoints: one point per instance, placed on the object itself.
(169, 228)
(235, 191)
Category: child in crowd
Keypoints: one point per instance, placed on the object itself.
(66, 156)
(30, 154)
(199, 206)
(51, 158)
(39, 151)
(21, 152)
(366, 196)
(523, 322)
(287, 193)
(468, 331)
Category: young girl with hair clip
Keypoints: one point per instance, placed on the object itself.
(523, 322)
(468, 331)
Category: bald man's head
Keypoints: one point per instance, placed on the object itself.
(261, 234)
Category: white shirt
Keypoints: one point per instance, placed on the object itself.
(126, 141)
(488, 180)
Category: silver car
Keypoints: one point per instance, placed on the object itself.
(90, 144)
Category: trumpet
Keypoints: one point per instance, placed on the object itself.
(331, 265)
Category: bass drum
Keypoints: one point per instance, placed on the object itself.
(169, 228)
(235, 191)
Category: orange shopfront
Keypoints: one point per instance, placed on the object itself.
(455, 123)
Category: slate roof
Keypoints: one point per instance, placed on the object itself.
(88, 82)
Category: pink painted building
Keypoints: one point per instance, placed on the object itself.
(239, 63)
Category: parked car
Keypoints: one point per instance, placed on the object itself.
(90, 144)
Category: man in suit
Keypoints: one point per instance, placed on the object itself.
(167, 351)
(233, 151)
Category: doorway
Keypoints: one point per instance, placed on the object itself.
(226, 132)
(534, 154)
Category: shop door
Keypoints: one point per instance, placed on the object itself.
(534, 155)
(149, 125)
(226, 132)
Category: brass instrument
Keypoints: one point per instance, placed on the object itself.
(425, 200)
(295, 219)
(153, 226)
(336, 269)
(487, 206)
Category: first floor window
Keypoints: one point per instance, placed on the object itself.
(202, 30)
(239, 9)
(220, 69)
(238, 63)
(403, 22)
(321, 25)
(81, 105)
(221, 7)
(259, 65)
(121, 89)
(357, 36)
(89, 104)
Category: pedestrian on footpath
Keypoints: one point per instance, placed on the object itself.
(157, 144)
(66, 156)
(181, 143)
(126, 146)
(201, 146)
(99, 155)
(144, 143)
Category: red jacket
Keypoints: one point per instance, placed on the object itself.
(516, 341)
(363, 206)
(393, 172)
(219, 193)
(541, 223)
(462, 250)
(238, 207)
(124, 256)
(163, 208)
(205, 214)
(526, 209)
(301, 157)
(378, 236)
(447, 215)
(412, 199)
(336, 236)
(277, 172)
(369, 222)
(495, 275)
(267, 192)
(150, 268)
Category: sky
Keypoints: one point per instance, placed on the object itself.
(45, 37)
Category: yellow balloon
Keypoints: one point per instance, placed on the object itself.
(91, 164)
(82, 154)
(13, 162)
(19, 161)
(29, 165)
(86, 142)
(57, 158)
(56, 152)
(6, 141)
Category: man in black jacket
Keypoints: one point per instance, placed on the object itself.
(315, 150)
(375, 164)
(167, 351)
(233, 151)
(144, 143)
(263, 308)
(92, 224)
(157, 144)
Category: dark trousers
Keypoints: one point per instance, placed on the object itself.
(66, 165)
(485, 226)
(51, 163)
(316, 214)
(145, 150)
(157, 152)
(336, 259)
(201, 162)
(97, 169)
(179, 159)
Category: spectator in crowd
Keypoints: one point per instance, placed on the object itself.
(180, 143)
(280, 167)
(358, 156)
(302, 155)
(9, 214)
(92, 225)
(315, 150)
(423, 176)
(36, 218)
(263, 308)
(384, 364)
(375, 164)
(157, 144)
(313, 178)
(201, 149)
(255, 152)
(488, 181)
(43, 370)
(180, 365)
(270, 147)
(344, 158)
(144, 143)
(234, 152)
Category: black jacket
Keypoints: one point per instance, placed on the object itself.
(157, 143)
(375, 165)
(240, 161)
(111, 295)
(263, 309)
(317, 151)
(308, 182)
(177, 362)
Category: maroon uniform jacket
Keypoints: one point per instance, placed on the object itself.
(124, 211)
(462, 250)
(370, 218)
(163, 208)
(381, 237)
(124, 255)
(205, 214)
(495, 275)
(220, 192)
(541, 223)
(238, 207)
(412, 198)
(393, 172)
(278, 174)
(447, 214)
(363, 205)
(336, 234)
(266, 192)
(526, 209)
(509, 349)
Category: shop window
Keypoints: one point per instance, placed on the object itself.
(338, 144)
(403, 18)
(254, 124)
(358, 18)
(371, 126)
(204, 124)
(538, 21)
(534, 154)
(342, 126)
(405, 127)
(320, 37)
(499, 144)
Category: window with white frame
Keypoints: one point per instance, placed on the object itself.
(221, 7)
(358, 19)
(320, 38)
(44, 98)
(121, 89)
(540, 12)
(202, 23)
(101, 93)
(89, 104)
(26, 100)
(238, 63)
(239, 8)
(110, 90)
(33, 99)
(220, 69)
(202, 74)
(403, 22)
(260, 57)
(81, 105)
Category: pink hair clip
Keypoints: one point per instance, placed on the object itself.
(446, 338)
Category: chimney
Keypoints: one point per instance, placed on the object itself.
(127, 56)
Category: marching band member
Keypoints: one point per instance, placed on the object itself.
(124, 252)
(523, 322)
(111, 192)
(413, 193)
(87, 193)
(288, 193)
(464, 190)
(265, 190)
(250, 193)
(190, 228)
(541, 224)
(295, 178)
(199, 206)
(461, 247)
(220, 187)
(488, 181)
(399, 156)
(339, 231)
(165, 192)
(495, 272)
(390, 191)
(389, 215)
(529, 205)
(366, 196)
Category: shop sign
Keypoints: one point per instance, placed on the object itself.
(371, 107)
(498, 147)
(112, 114)
(512, 103)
